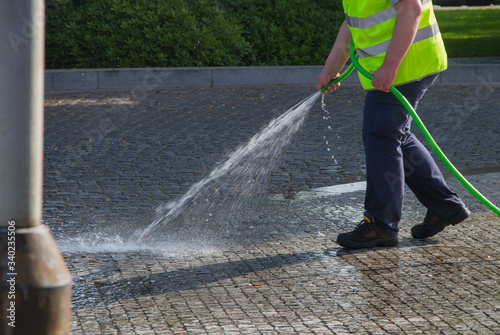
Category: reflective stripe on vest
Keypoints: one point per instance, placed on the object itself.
(371, 23)
(422, 34)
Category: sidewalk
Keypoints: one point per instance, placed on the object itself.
(470, 71)
(271, 266)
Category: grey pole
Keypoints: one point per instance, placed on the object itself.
(35, 287)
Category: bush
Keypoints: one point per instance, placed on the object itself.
(180, 33)
(288, 32)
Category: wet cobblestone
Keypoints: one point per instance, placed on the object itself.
(112, 157)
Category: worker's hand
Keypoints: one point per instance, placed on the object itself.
(383, 78)
(324, 79)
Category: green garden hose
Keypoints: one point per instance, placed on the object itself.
(422, 128)
(342, 76)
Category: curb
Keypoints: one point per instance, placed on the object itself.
(162, 78)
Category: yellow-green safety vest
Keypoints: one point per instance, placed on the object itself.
(371, 23)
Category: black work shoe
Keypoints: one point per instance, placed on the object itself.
(366, 235)
(434, 224)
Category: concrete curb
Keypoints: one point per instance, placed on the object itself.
(161, 78)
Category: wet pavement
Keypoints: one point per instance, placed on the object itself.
(266, 264)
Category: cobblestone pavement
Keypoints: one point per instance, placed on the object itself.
(265, 263)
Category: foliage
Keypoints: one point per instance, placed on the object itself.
(470, 33)
(288, 32)
(181, 33)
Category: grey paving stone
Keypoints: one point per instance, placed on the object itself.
(265, 263)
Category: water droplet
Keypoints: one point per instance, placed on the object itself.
(253, 161)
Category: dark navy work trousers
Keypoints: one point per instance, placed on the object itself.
(394, 156)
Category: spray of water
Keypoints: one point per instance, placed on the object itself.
(230, 184)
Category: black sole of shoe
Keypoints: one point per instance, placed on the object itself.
(459, 217)
(386, 242)
(454, 220)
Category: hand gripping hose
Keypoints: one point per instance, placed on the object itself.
(420, 125)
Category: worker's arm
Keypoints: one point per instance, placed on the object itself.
(336, 59)
(405, 29)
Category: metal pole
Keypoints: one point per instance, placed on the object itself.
(35, 287)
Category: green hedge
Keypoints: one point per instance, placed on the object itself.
(180, 33)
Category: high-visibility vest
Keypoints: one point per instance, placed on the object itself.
(371, 23)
